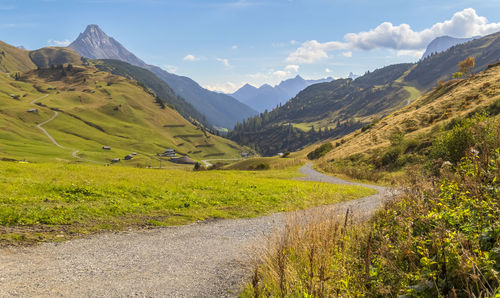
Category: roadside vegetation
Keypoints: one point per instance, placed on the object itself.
(440, 238)
(40, 202)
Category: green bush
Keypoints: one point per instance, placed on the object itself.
(260, 166)
(320, 151)
(452, 145)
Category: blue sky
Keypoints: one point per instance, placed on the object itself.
(226, 43)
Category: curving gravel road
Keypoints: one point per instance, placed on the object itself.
(205, 259)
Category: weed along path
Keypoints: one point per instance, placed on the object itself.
(205, 259)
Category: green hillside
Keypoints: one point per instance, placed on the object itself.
(45, 57)
(343, 106)
(13, 59)
(94, 109)
(151, 81)
(383, 150)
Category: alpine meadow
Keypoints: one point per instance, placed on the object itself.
(240, 148)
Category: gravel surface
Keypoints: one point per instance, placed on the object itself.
(206, 259)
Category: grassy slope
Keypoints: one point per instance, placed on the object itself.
(454, 99)
(150, 80)
(45, 57)
(14, 59)
(40, 201)
(355, 155)
(127, 118)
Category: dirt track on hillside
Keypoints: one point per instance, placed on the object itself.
(206, 259)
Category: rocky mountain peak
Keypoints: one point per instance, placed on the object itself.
(93, 43)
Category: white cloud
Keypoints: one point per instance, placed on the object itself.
(224, 61)
(312, 51)
(292, 67)
(227, 87)
(327, 70)
(280, 73)
(347, 54)
(465, 23)
(293, 42)
(58, 43)
(412, 53)
(171, 68)
(234, 47)
(190, 58)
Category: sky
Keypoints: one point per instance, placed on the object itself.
(224, 44)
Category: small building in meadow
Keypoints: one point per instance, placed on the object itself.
(106, 148)
(33, 111)
(115, 160)
(128, 157)
(169, 152)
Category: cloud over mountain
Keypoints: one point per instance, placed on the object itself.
(465, 23)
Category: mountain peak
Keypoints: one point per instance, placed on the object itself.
(248, 86)
(93, 29)
(93, 43)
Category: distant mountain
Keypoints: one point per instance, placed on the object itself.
(219, 109)
(337, 108)
(95, 44)
(267, 97)
(443, 43)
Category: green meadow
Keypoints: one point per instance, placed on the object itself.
(57, 201)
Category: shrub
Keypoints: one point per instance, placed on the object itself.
(452, 145)
(391, 156)
(320, 151)
(260, 166)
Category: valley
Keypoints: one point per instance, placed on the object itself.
(178, 177)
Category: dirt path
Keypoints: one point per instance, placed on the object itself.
(39, 126)
(56, 113)
(207, 163)
(200, 260)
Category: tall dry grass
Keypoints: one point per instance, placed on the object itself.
(309, 258)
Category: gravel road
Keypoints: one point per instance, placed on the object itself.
(205, 259)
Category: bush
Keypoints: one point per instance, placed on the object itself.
(452, 145)
(260, 166)
(320, 151)
(391, 156)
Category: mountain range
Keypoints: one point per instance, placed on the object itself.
(337, 108)
(219, 109)
(267, 97)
